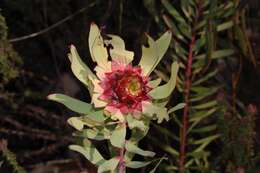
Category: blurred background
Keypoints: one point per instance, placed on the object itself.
(34, 41)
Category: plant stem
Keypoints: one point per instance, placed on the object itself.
(185, 117)
(121, 165)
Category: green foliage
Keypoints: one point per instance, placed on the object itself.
(9, 59)
(10, 158)
(196, 25)
(238, 134)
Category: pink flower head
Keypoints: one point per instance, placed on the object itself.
(124, 88)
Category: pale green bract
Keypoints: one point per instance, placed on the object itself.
(94, 122)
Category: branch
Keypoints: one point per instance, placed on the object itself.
(35, 34)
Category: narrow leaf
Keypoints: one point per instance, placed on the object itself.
(131, 147)
(71, 103)
(137, 164)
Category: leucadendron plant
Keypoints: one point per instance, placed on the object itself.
(124, 98)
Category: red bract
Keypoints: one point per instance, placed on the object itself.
(125, 88)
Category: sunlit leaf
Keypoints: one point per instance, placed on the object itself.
(165, 90)
(71, 103)
(134, 123)
(118, 136)
(131, 147)
(97, 49)
(89, 151)
(177, 107)
(137, 164)
(79, 69)
(153, 111)
(153, 54)
(108, 165)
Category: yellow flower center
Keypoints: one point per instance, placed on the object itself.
(134, 87)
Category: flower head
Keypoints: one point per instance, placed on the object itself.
(123, 88)
(117, 86)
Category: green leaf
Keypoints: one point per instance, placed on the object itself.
(168, 21)
(204, 142)
(205, 78)
(174, 13)
(76, 122)
(137, 164)
(97, 49)
(131, 147)
(203, 95)
(204, 129)
(166, 132)
(153, 54)
(134, 123)
(165, 90)
(156, 166)
(71, 103)
(177, 107)
(79, 69)
(115, 41)
(217, 54)
(89, 151)
(201, 114)
(155, 83)
(108, 165)
(225, 26)
(96, 134)
(118, 136)
(206, 105)
(152, 111)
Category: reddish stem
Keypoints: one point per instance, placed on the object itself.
(185, 120)
(121, 165)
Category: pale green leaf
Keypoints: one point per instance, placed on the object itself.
(89, 151)
(76, 122)
(96, 134)
(118, 136)
(165, 90)
(115, 41)
(131, 147)
(71, 103)
(97, 49)
(177, 107)
(153, 111)
(134, 123)
(121, 56)
(108, 165)
(137, 164)
(79, 69)
(153, 54)
(154, 83)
